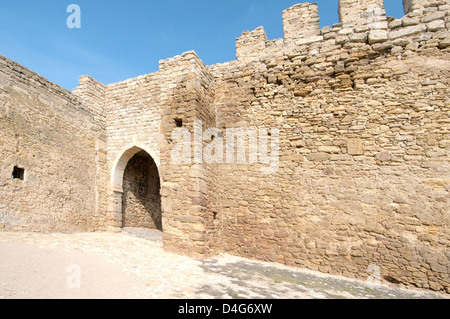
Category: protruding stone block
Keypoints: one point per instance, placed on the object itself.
(376, 36)
(354, 147)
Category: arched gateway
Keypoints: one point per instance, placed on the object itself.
(136, 184)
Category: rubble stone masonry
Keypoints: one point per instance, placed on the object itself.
(362, 110)
(52, 136)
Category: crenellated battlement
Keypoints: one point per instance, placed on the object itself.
(301, 21)
(361, 147)
(370, 13)
(251, 42)
(361, 21)
(413, 5)
(92, 93)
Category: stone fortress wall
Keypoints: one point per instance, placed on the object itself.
(362, 110)
(54, 137)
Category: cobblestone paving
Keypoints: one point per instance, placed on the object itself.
(132, 264)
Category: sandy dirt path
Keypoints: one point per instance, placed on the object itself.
(110, 265)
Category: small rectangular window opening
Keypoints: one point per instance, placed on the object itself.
(18, 173)
(179, 122)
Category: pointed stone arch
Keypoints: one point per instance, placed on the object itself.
(118, 168)
(122, 160)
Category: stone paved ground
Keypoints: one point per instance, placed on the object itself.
(133, 264)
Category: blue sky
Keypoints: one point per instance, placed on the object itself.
(123, 39)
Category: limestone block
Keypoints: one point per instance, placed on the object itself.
(383, 156)
(376, 36)
(397, 23)
(436, 25)
(309, 40)
(318, 157)
(358, 37)
(433, 16)
(329, 149)
(407, 21)
(302, 91)
(408, 31)
(355, 147)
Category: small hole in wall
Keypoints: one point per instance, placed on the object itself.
(215, 215)
(18, 173)
(179, 122)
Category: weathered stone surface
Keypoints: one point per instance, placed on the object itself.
(355, 147)
(407, 31)
(59, 141)
(301, 21)
(318, 157)
(329, 149)
(362, 12)
(397, 23)
(361, 176)
(376, 36)
(302, 91)
(435, 25)
(444, 43)
(432, 17)
(358, 37)
(383, 156)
